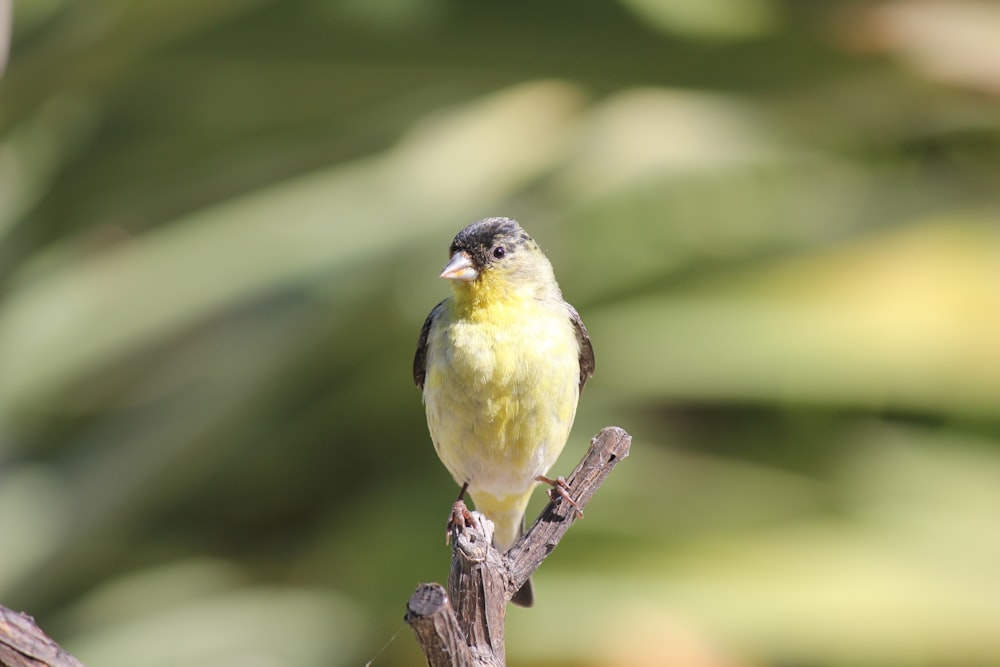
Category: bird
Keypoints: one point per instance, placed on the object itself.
(501, 363)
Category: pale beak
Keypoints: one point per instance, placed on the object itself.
(460, 267)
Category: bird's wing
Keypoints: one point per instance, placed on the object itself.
(586, 349)
(420, 358)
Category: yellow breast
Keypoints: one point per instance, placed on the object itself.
(501, 392)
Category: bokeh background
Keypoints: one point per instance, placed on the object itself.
(221, 225)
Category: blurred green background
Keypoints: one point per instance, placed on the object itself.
(221, 225)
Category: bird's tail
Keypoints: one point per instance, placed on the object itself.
(525, 595)
(507, 515)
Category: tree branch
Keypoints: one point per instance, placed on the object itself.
(433, 620)
(482, 581)
(23, 644)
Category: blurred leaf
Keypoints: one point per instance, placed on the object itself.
(718, 19)
(955, 42)
(32, 513)
(880, 575)
(904, 319)
(252, 626)
(141, 289)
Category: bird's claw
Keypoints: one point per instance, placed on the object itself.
(459, 519)
(560, 488)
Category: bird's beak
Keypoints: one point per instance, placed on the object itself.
(460, 267)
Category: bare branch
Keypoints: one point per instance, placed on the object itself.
(433, 620)
(23, 644)
(607, 448)
(482, 581)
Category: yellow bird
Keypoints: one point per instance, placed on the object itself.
(501, 362)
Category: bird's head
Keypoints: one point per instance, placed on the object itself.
(494, 259)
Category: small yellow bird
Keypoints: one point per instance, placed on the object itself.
(501, 363)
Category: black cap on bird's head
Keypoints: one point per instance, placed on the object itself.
(488, 244)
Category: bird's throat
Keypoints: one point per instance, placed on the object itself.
(485, 297)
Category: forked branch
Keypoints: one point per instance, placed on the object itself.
(465, 626)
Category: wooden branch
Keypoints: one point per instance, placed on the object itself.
(482, 581)
(607, 448)
(478, 586)
(23, 644)
(436, 626)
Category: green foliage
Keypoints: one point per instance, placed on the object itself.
(220, 229)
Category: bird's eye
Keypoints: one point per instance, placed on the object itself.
(499, 252)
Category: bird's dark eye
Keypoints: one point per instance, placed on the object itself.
(499, 252)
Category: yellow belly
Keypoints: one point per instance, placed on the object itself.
(500, 400)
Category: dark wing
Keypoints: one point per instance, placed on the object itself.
(586, 349)
(420, 358)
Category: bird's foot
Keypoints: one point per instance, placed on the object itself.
(460, 516)
(561, 488)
